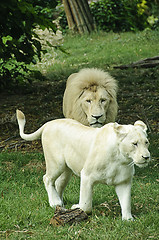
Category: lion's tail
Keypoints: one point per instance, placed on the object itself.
(21, 122)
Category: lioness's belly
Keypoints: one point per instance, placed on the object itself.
(75, 159)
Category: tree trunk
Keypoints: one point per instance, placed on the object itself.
(78, 15)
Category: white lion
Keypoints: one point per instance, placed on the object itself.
(98, 155)
(90, 97)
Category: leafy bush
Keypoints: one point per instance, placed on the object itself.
(119, 15)
(19, 44)
(153, 11)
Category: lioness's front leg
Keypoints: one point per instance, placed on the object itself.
(85, 201)
(124, 194)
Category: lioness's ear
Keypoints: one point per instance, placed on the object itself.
(120, 130)
(141, 125)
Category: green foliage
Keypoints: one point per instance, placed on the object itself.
(18, 41)
(122, 15)
(153, 10)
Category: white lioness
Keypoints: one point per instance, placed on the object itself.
(98, 155)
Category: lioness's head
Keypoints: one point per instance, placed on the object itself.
(90, 97)
(134, 143)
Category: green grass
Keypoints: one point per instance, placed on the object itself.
(102, 50)
(25, 212)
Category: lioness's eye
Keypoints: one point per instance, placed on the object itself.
(135, 143)
(88, 100)
(147, 143)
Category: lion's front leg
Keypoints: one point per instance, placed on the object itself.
(124, 194)
(85, 201)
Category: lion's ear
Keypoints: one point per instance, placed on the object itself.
(141, 125)
(120, 130)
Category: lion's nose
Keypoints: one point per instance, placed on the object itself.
(97, 116)
(146, 157)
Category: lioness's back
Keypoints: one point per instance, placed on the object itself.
(68, 130)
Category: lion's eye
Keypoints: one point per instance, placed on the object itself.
(135, 144)
(103, 100)
(147, 143)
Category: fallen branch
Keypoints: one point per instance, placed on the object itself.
(145, 63)
(63, 216)
(6, 140)
(13, 145)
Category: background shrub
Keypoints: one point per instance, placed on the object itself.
(18, 42)
(120, 15)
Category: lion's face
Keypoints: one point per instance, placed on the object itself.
(135, 144)
(95, 102)
(90, 97)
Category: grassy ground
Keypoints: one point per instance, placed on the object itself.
(103, 50)
(25, 212)
(24, 208)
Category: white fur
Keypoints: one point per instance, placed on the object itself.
(98, 155)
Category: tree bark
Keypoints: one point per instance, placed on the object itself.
(69, 16)
(78, 16)
(70, 216)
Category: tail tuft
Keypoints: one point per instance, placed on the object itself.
(21, 122)
(20, 115)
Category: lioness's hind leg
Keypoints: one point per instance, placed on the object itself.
(53, 196)
(62, 182)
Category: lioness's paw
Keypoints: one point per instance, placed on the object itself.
(75, 206)
(54, 204)
(128, 218)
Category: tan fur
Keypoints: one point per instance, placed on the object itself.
(93, 84)
(98, 155)
(20, 115)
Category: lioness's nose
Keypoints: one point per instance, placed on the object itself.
(97, 117)
(146, 157)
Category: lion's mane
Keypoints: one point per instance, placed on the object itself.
(77, 83)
